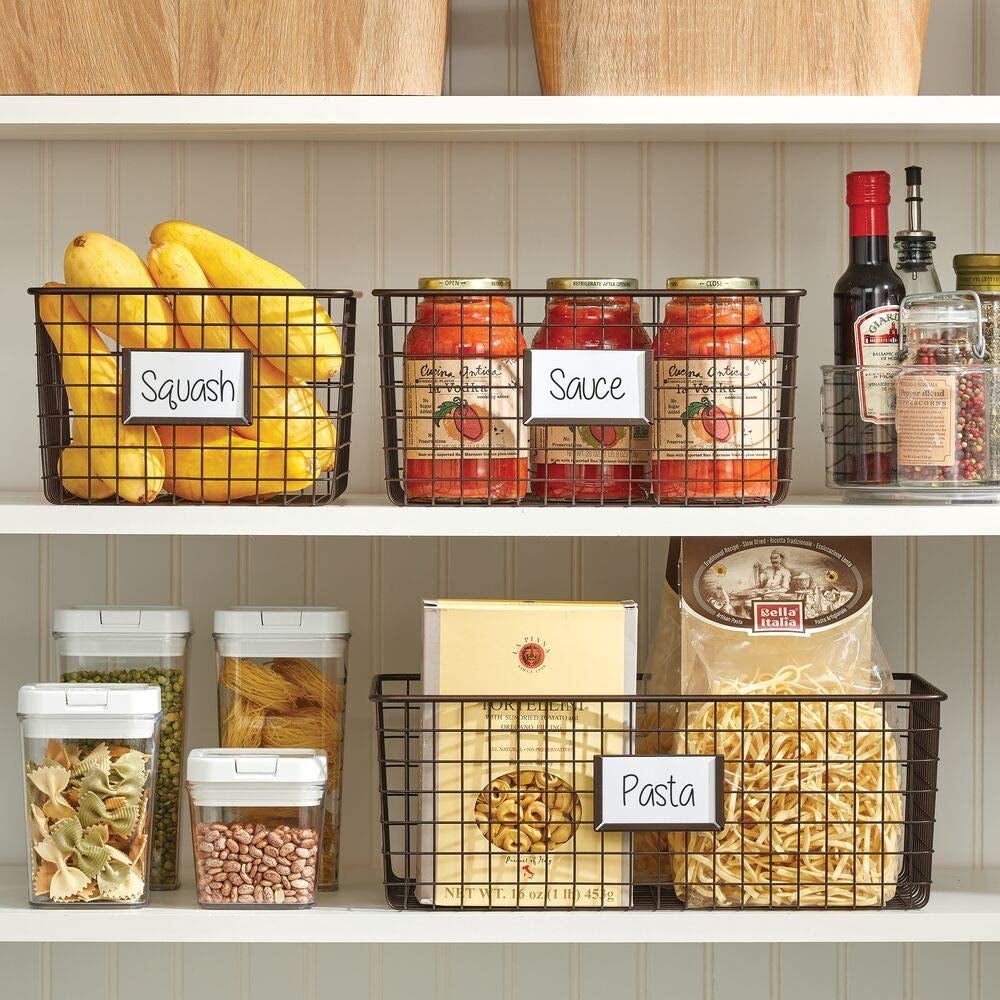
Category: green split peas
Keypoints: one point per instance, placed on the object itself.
(167, 797)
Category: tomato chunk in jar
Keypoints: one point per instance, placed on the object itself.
(464, 439)
(599, 462)
(717, 394)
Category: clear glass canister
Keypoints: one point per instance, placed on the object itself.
(89, 763)
(282, 683)
(464, 439)
(717, 393)
(256, 825)
(942, 392)
(980, 273)
(601, 462)
(137, 645)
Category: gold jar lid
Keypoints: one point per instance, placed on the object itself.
(591, 284)
(979, 272)
(465, 284)
(713, 284)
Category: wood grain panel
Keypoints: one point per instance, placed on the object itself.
(312, 46)
(88, 47)
(671, 47)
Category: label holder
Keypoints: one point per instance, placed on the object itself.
(713, 763)
(245, 384)
(533, 418)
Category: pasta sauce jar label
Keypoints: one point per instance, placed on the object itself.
(463, 409)
(594, 445)
(776, 586)
(708, 406)
(876, 344)
(926, 412)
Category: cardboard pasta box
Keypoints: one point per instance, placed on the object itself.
(507, 802)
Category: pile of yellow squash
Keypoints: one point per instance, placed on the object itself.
(291, 441)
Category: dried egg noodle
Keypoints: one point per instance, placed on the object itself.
(813, 808)
(813, 802)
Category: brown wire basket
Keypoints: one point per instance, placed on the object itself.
(290, 443)
(719, 421)
(836, 811)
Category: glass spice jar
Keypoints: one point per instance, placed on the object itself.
(980, 273)
(717, 389)
(600, 462)
(941, 392)
(464, 439)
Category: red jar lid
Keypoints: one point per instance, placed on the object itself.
(868, 187)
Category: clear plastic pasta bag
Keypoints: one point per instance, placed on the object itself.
(813, 804)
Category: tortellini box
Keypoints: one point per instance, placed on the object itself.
(507, 801)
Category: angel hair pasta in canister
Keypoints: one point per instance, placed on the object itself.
(282, 679)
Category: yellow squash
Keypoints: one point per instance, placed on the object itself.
(76, 472)
(207, 463)
(294, 333)
(129, 459)
(285, 415)
(94, 260)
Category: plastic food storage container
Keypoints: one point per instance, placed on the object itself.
(282, 679)
(257, 825)
(133, 645)
(89, 761)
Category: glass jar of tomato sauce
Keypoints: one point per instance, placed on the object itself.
(464, 438)
(717, 394)
(601, 462)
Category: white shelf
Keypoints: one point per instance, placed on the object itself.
(29, 514)
(964, 906)
(952, 119)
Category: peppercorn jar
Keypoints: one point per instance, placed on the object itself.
(463, 434)
(941, 393)
(717, 394)
(137, 645)
(600, 462)
(256, 826)
(282, 683)
(89, 756)
(980, 273)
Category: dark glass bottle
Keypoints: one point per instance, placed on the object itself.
(866, 323)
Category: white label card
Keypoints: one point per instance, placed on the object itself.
(587, 387)
(186, 387)
(659, 793)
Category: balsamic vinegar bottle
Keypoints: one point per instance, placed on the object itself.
(866, 324)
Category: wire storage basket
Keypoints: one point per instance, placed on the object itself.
(719, 420)
(156, 395)
(836, 810)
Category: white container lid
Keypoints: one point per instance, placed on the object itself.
(262, 777)
(111, 620)
(121, 631)
(106, 711)
(292, 622)
(272, 631)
